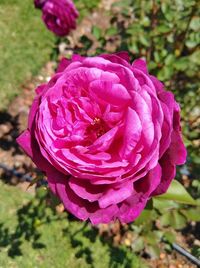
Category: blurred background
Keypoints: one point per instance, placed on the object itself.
(34, 229)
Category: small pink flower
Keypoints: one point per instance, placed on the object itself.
(59, 16)
(107, 134)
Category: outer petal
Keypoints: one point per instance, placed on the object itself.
(85, 190)
(121, 57)
(39, 90)
(105, 215)
(71, 201)
(33, 111)
(132, 207)
(116, 195)
(82, 209)
(24, 141)
(141, 65)
(63, 64)
(177, 150)
(168, 173)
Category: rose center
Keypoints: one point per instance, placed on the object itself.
(96, 128)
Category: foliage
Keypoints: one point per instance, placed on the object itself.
(162, 216)
(85, 6)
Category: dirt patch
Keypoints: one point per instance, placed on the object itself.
(12, 123)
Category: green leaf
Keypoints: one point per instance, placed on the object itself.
(165, 219)
(145, 21)
(138, 244)
(191, 214)
(111, 31)
(153, 251)
(162, 204)
(149, 205)
(174, 219)
(162, 29)
(146, 216)
(151, 238)
(169, 237)
(178, 193)
(196, 251)
(96, 32)
(178, 221)
(195, 24)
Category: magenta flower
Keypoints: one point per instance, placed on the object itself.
(107, 135)
(59, 16)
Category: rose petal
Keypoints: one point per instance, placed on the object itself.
(114, 94)
(24, 141)
(116, 195)
(85, 189)
(132, 133)
(141, 65)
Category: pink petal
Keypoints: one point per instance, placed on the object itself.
(132, 133)
(140, 64)
(115, 94)
(71, 201)
(133, 206)
(103, 143)
(116, 195)
(63, 64)
(105, 215)
(24, 141)
(177, 150)
(157, 84)
(85, 190)
(39, 90)
(168, 173)
(120, 57)
(33, 111)
(124, 55)
(150, 182)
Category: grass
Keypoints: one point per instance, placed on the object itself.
(31, 235)
(25, 46)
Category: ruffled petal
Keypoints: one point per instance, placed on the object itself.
(143, 188)
(24, 141)
(85, 190)
(114, 94)
(63, 64)
(141, 65)
(168, 174)
(116, 195)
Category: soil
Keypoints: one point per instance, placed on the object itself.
(12, 123)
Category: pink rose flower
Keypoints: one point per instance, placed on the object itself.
(107, 135)
(59, 16)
